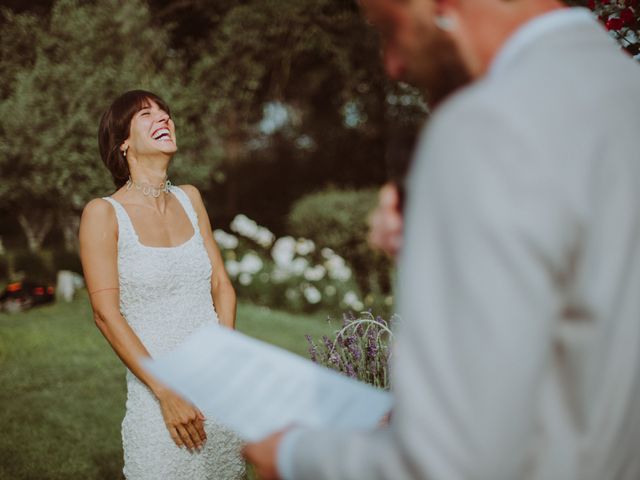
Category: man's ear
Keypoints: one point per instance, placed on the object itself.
(445, 14)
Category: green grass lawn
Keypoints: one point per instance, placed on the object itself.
(63, 388)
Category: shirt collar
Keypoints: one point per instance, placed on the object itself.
(535, 29)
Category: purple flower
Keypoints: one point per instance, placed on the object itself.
(372, 345)
(361, 350)
(350, 371)
(382, 321)
(313, 350)
(355, 351)
(334, 359)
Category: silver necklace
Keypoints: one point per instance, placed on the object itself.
(149, 190)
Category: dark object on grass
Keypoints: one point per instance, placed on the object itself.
(20, 296)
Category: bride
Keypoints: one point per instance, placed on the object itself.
(154, 274)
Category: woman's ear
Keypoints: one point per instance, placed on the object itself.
(123, 148)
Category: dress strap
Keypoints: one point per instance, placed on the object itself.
(184, 200)
(125, 227)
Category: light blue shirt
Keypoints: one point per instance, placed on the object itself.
(519, 41)
(285, 453)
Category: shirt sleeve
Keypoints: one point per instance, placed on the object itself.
(486, 231)
(285, 454)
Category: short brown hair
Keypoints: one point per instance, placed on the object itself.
(115, 125)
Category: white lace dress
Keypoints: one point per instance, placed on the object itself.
(165, 294)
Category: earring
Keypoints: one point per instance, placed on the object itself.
(124, 152)
(444, 23)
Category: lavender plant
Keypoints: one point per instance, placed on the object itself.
(361, 349)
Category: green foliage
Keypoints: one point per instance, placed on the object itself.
(338, 219)
(334, 218)
(65, 260)
(221, 67)
(276, 49)
(35, 267)
(16, 46)
(317, 63)
(4, 268)
(50, 138)
(63, 72)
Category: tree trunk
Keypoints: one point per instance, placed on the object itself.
(70, 225)
(36, 225)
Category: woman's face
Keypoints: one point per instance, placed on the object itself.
(152, 131)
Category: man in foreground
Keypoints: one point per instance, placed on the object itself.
(519, 353)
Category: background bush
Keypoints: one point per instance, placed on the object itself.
(338, 219)
(296, 274)
(36, 267)
(4, 268)
(66, 260)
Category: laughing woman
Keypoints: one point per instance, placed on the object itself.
(154, 274)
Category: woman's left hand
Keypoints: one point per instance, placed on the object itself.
(184, 421)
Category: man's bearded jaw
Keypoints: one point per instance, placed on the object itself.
(439, 70)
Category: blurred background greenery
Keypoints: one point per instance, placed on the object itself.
(285, 122)
(274, 100)
(283, 114)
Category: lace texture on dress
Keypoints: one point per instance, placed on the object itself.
(165, 294)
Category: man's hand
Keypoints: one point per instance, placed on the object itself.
(386, 223)
(264, 456)
(385, 421)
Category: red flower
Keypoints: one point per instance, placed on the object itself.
(614, 24)
(627, 16)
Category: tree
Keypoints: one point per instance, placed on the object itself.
(63, 71)
(228, 70)
(297, 99)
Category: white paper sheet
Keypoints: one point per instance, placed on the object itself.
(256, 389)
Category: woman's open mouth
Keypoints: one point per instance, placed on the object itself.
(162, 134)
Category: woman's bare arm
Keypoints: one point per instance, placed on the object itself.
(99, 255)
(224, 296)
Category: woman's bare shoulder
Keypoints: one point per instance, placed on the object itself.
(98, 212)
(193, 193)
(190, 190)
